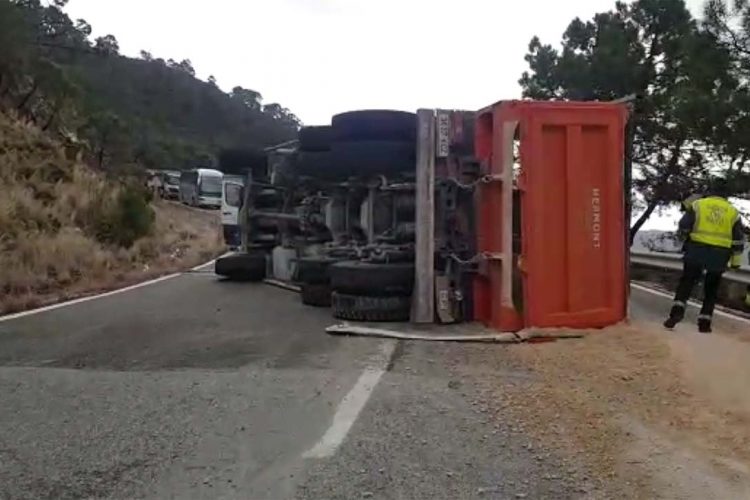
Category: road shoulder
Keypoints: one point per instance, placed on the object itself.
(651, 413)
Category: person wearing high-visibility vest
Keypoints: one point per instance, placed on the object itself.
(714, 240)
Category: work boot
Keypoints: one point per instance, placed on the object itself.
(704, 325)
(675, 316)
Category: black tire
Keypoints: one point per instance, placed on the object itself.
(242, 266)
(315, 138)
(316, 295)
(313, 163)
(367, 158)
(268, 198)
(239, 161)
(375, 125)
(372, 279)
(365, 308)
(314, 270)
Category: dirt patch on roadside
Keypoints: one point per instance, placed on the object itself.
(654, 414)
(67, 229)
(76, 266)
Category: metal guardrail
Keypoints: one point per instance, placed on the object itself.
(661, 260)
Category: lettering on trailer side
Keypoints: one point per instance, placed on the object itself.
(596, 219)
(443, 134)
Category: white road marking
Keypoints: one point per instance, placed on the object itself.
(352, 404)
(693, 303)
(52, 307)
(210, 263)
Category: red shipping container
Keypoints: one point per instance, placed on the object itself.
(565, 265)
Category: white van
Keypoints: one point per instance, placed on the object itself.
(201, 187)
(231, 201)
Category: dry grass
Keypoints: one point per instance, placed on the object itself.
(49, 203)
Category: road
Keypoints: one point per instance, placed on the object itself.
(196, 388)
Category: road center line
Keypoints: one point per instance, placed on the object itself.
(352, 404)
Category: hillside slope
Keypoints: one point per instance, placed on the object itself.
(169, 118)
(58, 218)
(146, 112)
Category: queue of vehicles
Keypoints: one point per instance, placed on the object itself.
(204, 188)
(200, 187)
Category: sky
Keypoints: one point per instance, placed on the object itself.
(321, 57)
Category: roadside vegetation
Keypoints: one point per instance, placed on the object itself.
(690, 76)
(79, 125)
(67, 229)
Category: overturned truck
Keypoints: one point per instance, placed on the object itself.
(513, 215)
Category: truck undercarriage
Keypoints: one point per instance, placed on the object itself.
(336, 214)
(395, 216)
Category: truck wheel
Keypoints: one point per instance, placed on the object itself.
(314, 270)
(316, 295)
(375, 125)
(366, 308)
(313, 163)
(242, 266)
(367, 158)
(315, 138)
(238, 161)
(372, 278)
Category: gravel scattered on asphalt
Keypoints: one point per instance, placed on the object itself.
(618, 398)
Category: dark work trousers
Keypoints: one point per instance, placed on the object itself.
(691, 273)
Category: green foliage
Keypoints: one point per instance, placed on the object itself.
(173, 119)
(146, 111)
(729, 24)
(687, 93)
(106, 45)
(128, 219)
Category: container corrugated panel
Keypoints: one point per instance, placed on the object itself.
(573, 215)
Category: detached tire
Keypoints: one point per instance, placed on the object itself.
(242, 267)
(316, 295)
(375, 125)
(372, 279)
(364, 158)
(315, 138)
(366, 308)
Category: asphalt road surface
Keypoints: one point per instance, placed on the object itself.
(196, 388)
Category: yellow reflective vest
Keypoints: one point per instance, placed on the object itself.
(714, 219)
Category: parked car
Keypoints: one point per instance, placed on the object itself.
(171, 185)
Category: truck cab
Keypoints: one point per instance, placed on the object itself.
(231, 201)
